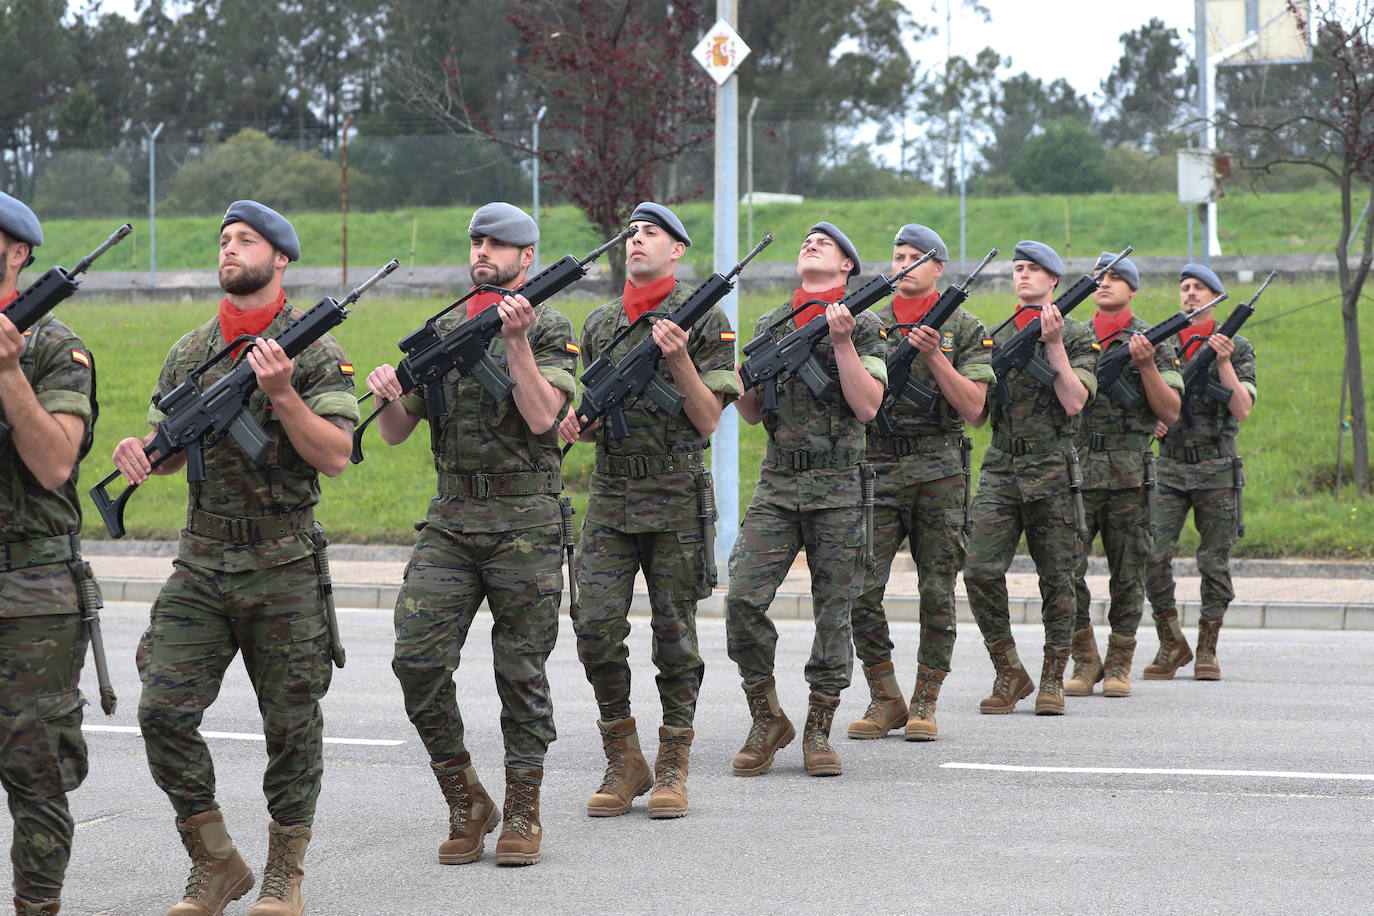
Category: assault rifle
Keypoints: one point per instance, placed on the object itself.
(430, 356)
(195, 420)
(48, 292)
(1019, 352)
(769, 361)
(610, 387)
(1111, 366)
(1197, 379)
(900, 384)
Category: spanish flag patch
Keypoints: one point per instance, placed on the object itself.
(573, 348)
(987, 342)
(727, 335)
(346, 368)
(882, 332)
(79, 356)
(1096, 345)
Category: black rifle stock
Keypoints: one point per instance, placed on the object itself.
(1197, 379)
(430, 356)
(610, 387)
(1111, 366)
(1019, 352)
(900, 384)
(50, 290)
(768, 361)
(195, 420)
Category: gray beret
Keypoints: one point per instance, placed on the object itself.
(18, 222)
(1041, 254)
(842, 240)
(1198, 272)
(924, 239)
(270, 224)
(1124, 267)
(663, 218)
(505, 223)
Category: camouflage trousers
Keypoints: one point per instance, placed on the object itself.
(674, 564)
(769, 539)
(930, 516)
(200, 620)
(42, 752)
(449, 574)
(1123, 517)
(999, 517)
(1214, 514)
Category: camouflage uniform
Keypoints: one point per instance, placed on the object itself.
(1024, 486)
(494, 531)
(809, 494)
(245, 579)
(1114, 444)
(42, 641)
(920, 497)
(643, 512)
(1195, 471)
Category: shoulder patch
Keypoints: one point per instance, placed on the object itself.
(1096, 345)
(987, 343)
(346, 368)
(79, 356)
(727, 335)
(882, 332)
(947, 342)
(573, 348)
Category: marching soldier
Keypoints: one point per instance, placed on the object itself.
(494, 531)
(1118, 477)
(249, 575)
(1024, 486)
(922, 490)
(1199, 470)
(649, 507)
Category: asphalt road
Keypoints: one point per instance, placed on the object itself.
(1254, 794)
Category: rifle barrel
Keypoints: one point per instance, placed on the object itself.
(763, 243)
(629, 231)
(371, 281)
(105, 246)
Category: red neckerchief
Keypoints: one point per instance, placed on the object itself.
(1025, 315)
(1105, 325)
(910, 311)
(1188, 334)
(800, 295)
(6, 304)
(641, 299)
(482, 301)
(234, 322)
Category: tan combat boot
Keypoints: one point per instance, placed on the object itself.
(886, 708)
(1087, 664)
(281, 893)
(471, 812)
(819, 756)
(1173, 649)
(1050, 700)
(1012, 682)
(921, 724)
(218, 873)
(518, 843)
(24, 907)
(771, 729)
(669, 797)
(1120, 650)
(627, 772)
(1207, 668)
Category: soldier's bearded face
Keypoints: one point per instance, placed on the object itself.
(240, 277)
(1193, 294)
(493, 263)
(4, 260)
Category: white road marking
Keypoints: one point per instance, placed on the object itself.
(244, 736)
(1152, 771)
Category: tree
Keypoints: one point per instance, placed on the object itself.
(1146, 97)
(968, 87)
(1023, 106)
(1321, 115)
(1065, 158)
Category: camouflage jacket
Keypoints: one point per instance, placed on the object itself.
(1215, 431)
(1034, 414)
(819, 427)
(1108, 463)
(664, 501)
(234, 486)
(478, 435)
(964, 341)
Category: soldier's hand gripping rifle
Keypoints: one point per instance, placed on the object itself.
(900, 384)
(1111, 365)
(1019, 352)
(768, 361)
(195, 420)
(610, 387)
(431, 356)
(1197, 379)
(48, 292)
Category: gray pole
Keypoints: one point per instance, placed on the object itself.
(152, 203)
(539, 116)
(725, 454)
(749, 161)
(1200, 58)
